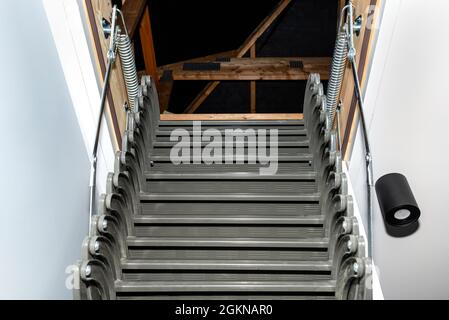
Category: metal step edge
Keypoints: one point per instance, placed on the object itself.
(223, 286)
(319, 243)
(281, 132)
(228, 220)
(298, 158)
(281, 144)
(224, 265)
(226, 297)
(236, 197)
(309, 176)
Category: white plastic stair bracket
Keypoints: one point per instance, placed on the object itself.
(377, 289)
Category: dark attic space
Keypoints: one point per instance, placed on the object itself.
(185, 30)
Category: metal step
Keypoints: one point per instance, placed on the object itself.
(215, 253)
(272, 287)
(228, 226)
(282, 152)
(197, 270)
(232, 186)
(223, 209)
(236, 265)
(231, 297)
(244, 169)
(305, 176)
(319, 243)
(281, 144)
(230, 231)
(246, 276)
(304, 157)
(236, 197)
(228, 220)
(282, 137)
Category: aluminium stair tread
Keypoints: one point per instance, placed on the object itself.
(232, 186)
(290, 158)
(166, 132)
(228, 220)
(225, 208)
(318, 243)
(281, 144)
(282, 168)
(227, 265)
(227, 226)
(236, 197)
(169, 136)
(234, 297)
(232, 253)
(230, 231)
(283, 153)
(227, 286)
(305, 176)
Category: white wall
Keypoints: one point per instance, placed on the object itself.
(408, 112)
(68, 27)
(47, 107)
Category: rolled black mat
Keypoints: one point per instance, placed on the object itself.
(398, 205)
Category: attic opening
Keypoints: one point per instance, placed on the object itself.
(238, 56)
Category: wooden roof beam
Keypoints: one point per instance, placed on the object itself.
(208, 58)
(248, 69)
(232, 117)
(133, 11)
(260, 30)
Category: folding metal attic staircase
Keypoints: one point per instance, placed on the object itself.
(223, 231)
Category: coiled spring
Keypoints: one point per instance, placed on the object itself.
(337, 71)
(128, 63)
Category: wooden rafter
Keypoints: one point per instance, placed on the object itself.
(252, 39)
(165, 89)
(253, 86)
(232, 117)
(133, 11)
(263, 27)
(204, 94)
(146, 37)
(248, 69)
(209, 89)
(209, 58)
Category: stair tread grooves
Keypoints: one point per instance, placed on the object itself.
(281, 132)
(211, 209)
(229, 176)
(305, 143)
(283, 153)
(232, 219)
(262, 265)
(226, 286)
(284, 168)
(295, 158)
(249, 297)
(318, 243)
(236, 197)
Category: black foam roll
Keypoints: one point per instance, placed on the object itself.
(395, 196)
